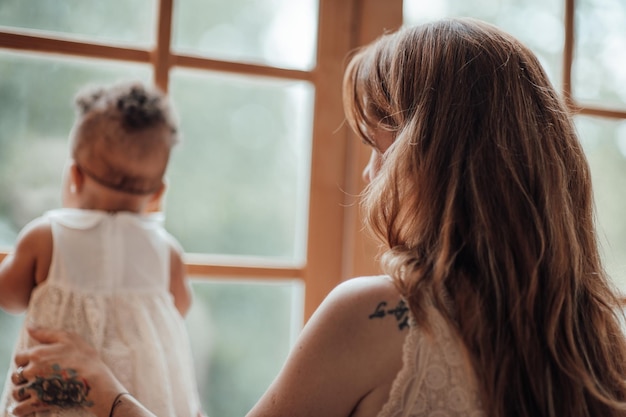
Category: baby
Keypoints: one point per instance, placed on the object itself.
(103, 265)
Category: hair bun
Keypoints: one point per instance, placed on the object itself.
(139, 108)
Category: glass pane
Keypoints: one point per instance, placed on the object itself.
(9, 329)
(520, 18)
(119, 21)
(605, 144)
(241, 334)
(239, 180)
(598, 73)
(279, 33)
(36, 115)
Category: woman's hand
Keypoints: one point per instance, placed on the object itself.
(63, 371)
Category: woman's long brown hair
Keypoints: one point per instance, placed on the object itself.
(486, 195)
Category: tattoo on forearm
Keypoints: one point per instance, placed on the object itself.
(400, 312)
(63, 388)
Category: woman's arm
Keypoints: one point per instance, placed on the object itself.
(64, 363)
(346, 358)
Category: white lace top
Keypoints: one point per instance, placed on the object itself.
(109, 281)
(436, 379)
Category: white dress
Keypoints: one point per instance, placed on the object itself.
(436, 379)
(109, 282)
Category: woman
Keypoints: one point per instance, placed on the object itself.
(496, 302)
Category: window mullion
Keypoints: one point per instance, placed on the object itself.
(326, 211)
(161, 53)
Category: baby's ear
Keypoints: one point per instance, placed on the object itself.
(77, 177)
(156, 199)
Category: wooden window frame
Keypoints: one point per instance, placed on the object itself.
(332, 254)
(568, 60)
(337, 248)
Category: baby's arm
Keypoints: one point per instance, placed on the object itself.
(27, 266)
(179, 286)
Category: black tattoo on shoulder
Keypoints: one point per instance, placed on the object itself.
(63, 388)
(400, 312)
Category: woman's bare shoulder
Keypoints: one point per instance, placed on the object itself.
(375, 298)
(356, 335)
(369, 285)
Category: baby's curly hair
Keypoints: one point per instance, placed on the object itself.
(138, 106)
(127, 118)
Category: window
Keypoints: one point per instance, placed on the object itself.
(261, 192)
